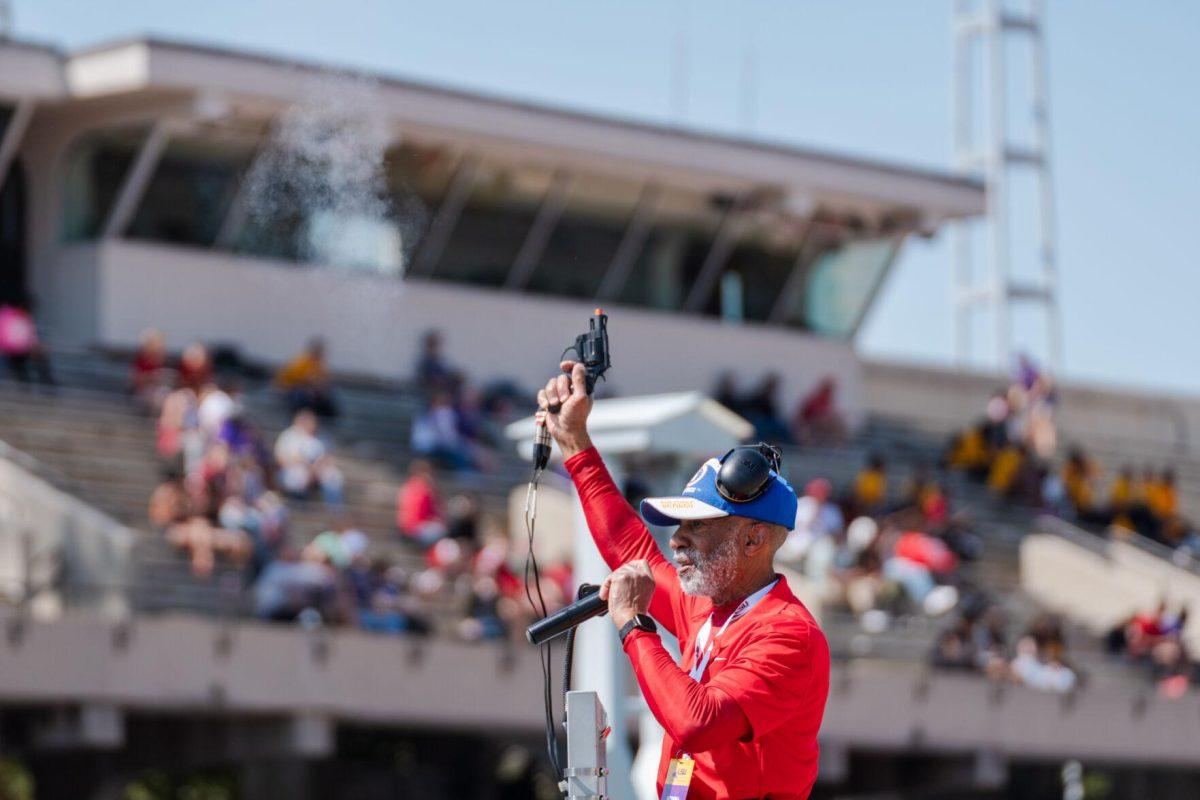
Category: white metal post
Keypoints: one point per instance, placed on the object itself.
(14, 134)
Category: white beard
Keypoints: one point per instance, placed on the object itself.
(711, 575)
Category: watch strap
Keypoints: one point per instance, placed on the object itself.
(641, 622)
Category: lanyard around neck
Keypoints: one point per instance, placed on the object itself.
(705, 642)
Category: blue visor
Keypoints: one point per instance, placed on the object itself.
(701, 500)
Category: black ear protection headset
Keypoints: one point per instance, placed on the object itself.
(745, 471)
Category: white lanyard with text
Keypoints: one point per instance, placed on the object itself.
(703, 641)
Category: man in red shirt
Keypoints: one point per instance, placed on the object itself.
(744, 708)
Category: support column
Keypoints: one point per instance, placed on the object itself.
(718, 254)
(429, 252)
(534, 246)
(136, 180)
(14, 134)
(632, 242)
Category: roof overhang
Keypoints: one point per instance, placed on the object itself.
(246, 81)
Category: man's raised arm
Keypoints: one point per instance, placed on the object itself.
(618, 531)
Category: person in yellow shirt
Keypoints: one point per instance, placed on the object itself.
(305, 382)
(1077, 481)
(1004, 469)
(1162, 497)
(970, 452)
(870, 487)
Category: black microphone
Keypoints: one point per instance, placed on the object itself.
(568, 617)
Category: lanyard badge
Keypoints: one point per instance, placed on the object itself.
(679, 778)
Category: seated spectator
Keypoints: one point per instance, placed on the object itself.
(870, 486)
(436, 435)
(1005, 470)
(994, 429)
(150, 376)
(195, 368)
(433, 373)
(305, 382)
(173, 511)
(1121, 500)
(971, 452)
(916, 559)
(1162, 498)
(216, 405)
(817, 419)
(1041, 657)
(818, 521)
(179, 442)
(1078, 475)
(305, 464)
(761, 409)
(463, 514)
(289, 586)
(726, 392)
(337, 547)
(386, 604)
(418, 510)
(20, 346)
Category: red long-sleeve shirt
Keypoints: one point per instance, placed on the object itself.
(751, 720)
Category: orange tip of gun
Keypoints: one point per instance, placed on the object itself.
(599, 312)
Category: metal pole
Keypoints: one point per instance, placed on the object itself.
(997, 199)
(961, 232)
(1046, 234)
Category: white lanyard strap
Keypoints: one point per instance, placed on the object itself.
(703, 642)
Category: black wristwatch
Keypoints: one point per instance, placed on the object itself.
(639, 622)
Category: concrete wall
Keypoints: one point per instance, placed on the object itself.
(56, 543)
(373, 324)
(1102, 584)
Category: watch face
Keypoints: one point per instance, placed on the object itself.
(644, 621)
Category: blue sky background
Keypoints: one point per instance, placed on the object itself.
(866, 77)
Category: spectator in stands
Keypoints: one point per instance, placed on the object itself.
(173, 510)
(1041, 658)
(150, 375)
(216, 405)
(337, 547)
(1078, 477)
(817, 419)
(915, 561)
(179, 442)
(305, 382)
(418, 510)
(870, 486)
(1003, 476)
(1121, 499)
(290, 586)
(971, 451)
(304, 461)
(761, 409)
(433, 373)
(195, 368)
(19, 344)
(387, 605)
(1162, 498)
(818, 521)
(726, 392)
(436, 434)
(995, 426)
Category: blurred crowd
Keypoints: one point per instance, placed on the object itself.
(977, 641)
(816, 419)
(1154, 641)
(1012, 450)
(229, 495)
(895, 557)
(26, 357)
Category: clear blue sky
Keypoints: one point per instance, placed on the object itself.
(868, 77)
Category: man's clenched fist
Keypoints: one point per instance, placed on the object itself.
(567, 393)
(628, 591)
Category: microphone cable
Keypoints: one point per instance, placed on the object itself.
(545, 655)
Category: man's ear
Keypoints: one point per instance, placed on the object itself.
(754, 536)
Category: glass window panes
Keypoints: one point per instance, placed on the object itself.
(418, 177)
(670, 260)
(189, 196)
(589, 231)
(493, 225)
(840, 285)
(96, 167)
